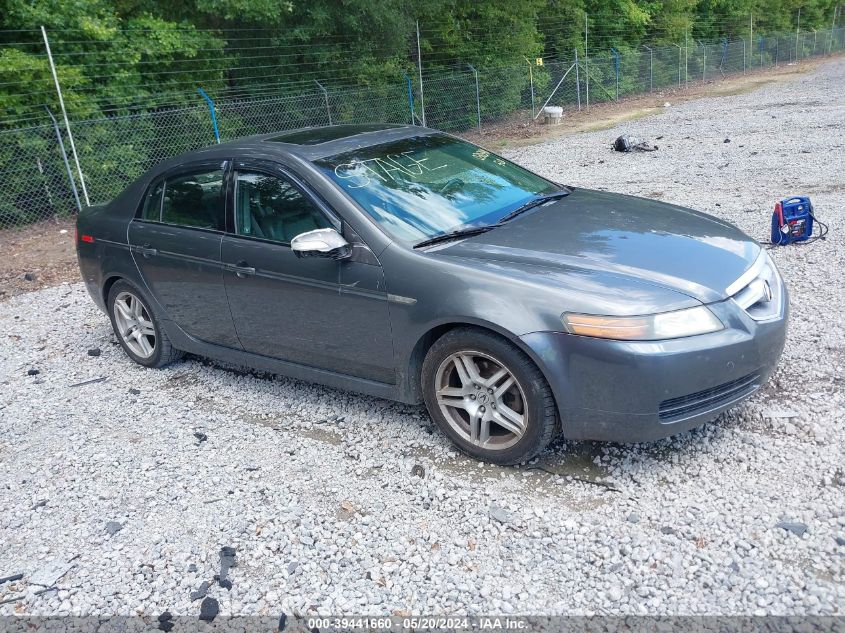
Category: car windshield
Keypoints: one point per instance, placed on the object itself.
(421, 187)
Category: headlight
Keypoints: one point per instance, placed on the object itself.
(652, 327)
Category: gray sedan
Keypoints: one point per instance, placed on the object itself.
(404, 263)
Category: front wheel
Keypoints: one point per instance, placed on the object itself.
(488, 396)
(137, 328)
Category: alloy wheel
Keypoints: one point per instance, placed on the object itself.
(134, 324)
(481, 399)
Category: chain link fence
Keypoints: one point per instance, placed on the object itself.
(35, 174)
(38, 163)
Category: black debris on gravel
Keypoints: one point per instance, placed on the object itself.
(94, 351)
(11, 578)
(201, 437)
(30, 276)
(200, 593)
(227, 562)
(418, 471)
(165, 622)
(89, 382)
(283, 620)
(209, 609)
(33, 372)
(40, 504)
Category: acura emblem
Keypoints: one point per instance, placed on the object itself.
(767, 290)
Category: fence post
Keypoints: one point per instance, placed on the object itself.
(704, 65)
(64, 114)
(410, 97)
(531, 82)
(326, 97)
(64, 158)
(210, 104)
(679, 64)
(615, 54)
(577, 80)
(419, 68)
(477, 95)
(777, 50)
(751, 39)
(743, 55)
(586, 61)
(650, 68)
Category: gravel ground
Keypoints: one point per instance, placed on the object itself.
(119, 495)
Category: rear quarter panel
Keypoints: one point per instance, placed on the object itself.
(108, 255)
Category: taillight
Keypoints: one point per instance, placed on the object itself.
(86, 238)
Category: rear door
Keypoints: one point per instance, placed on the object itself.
(175, 241)
(312, 311)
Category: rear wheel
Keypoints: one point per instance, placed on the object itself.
(488, 396)
(137, 328)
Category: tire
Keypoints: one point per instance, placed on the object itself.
(485, 414)
(130, 310)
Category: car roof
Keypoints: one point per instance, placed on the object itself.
(309, 143)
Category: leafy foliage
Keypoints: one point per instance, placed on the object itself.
(130, 69)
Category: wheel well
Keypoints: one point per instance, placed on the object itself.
(424, 344)
(107, 288)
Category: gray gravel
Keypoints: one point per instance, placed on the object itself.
(317, 492)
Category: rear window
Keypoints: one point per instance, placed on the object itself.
(195, 200)
(152, 203)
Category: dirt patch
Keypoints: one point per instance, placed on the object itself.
(37, 256)
(518, 130)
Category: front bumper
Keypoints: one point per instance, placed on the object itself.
(632, 391)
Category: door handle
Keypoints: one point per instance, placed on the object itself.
(148, 251)
(242, 270)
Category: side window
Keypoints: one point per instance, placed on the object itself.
(152, 203)
(272, 208)
(195, 200)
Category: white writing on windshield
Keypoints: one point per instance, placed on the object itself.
(360, 172)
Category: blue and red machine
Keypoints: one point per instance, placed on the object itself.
(792, 220)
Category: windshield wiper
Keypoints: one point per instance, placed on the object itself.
(536, 202)
(478, 230)
(454, 235)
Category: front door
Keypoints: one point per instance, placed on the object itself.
(175, 242)
(312, 311)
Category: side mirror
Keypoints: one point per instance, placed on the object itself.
(321, 243)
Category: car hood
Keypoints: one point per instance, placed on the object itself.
(644, 240)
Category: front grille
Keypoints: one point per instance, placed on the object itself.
(707, 400)
(761, 291)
